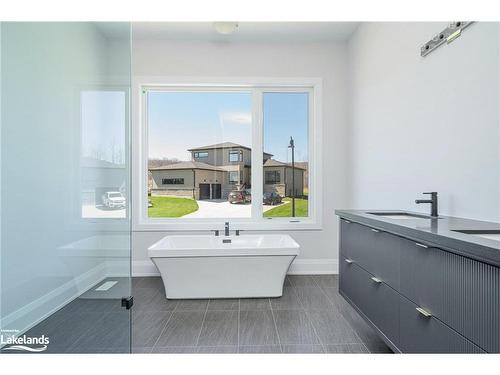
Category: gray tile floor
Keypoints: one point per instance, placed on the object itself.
(310, 317)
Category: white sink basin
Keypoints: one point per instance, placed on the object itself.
(403, 217)
(489, 234)
(495, 237)
(399, 215)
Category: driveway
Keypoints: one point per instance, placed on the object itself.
(219, 208)
(99, 211)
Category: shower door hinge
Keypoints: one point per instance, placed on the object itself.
(128, 302)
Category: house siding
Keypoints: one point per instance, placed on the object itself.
(284, 187)
(192, 181)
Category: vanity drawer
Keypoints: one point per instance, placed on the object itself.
(384, 258)
(422, 275)
(352, 283)
(426, 334)
(352, 244)
(374, 250)
(459, 291)
(378, 301)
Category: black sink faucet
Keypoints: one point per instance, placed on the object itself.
(433, 201)
(226, 228)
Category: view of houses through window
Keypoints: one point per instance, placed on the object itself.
(200, 154)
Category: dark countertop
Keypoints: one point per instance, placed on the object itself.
(435, 232)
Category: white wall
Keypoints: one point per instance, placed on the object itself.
(424, 124)
(319, 60)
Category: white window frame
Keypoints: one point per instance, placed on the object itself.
(257, 87)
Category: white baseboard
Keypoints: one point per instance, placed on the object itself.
(22, 319)
(142, 268)
(314, 267)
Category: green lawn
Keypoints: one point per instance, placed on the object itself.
(171, 206)
(285, 210)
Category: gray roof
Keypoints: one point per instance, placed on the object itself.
(276, 163)
(188, 165)
(222, 146)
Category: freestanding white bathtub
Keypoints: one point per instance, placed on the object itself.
(209, 267)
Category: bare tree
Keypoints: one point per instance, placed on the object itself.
(157, 163)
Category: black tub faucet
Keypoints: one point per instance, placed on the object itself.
(226, 228)
(433, 201)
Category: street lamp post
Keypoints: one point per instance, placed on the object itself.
(292, 146)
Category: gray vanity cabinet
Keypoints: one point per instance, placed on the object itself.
(420, 297)
(471, 300)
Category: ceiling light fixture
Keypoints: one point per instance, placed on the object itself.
(225, 28)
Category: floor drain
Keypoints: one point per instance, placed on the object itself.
(106, 286)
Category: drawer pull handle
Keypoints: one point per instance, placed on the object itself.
(424, 312)
(421, 245)
(348, 261)
(378, 281)
(347, 222)
(375, 230)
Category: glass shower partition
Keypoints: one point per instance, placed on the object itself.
(65, 188)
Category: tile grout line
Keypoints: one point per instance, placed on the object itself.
(292, 290)
(323, 346)
(202, 323)
(80, 337)
(343, 318)
(163, 330)
(239, 312)
(276, 329)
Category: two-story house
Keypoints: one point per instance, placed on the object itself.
(215, 170)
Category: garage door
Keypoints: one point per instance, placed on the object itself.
(216, 191)
(204, 191)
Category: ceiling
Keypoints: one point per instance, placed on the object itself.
(246, 32)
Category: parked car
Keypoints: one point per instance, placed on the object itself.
(113, 199)
(248, 195)
(271, 198)
(239, 196)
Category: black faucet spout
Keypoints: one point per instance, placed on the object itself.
(433, 202)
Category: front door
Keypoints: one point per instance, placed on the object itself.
(204, 191)
(216, 191)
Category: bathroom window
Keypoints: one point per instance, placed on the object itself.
(271, 131)
(191, 137)
(286, 138)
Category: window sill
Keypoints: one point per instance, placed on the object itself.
(169, 225)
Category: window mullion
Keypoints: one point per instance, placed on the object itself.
(257, 157)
